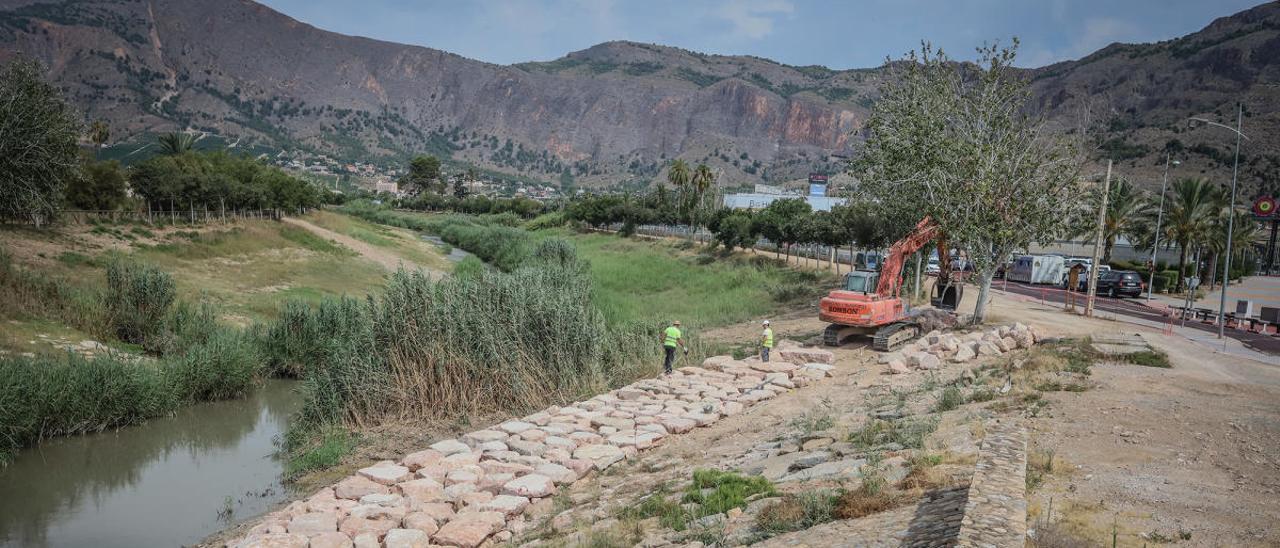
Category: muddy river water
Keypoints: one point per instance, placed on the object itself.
(168, 482)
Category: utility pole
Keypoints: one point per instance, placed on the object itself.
(1231, 228)
(1097, 243)
(1155, 243)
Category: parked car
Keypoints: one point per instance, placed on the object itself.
(1120, 283)
(932, 268)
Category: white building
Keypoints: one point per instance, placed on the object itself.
(761, 201)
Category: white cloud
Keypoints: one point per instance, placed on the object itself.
(753, 19)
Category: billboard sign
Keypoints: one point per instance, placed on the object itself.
(1264, 206)
(817, 184)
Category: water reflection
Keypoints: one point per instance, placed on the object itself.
(158, 484)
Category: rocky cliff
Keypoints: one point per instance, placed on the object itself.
(612, 113)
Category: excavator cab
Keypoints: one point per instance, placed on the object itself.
(861, 281)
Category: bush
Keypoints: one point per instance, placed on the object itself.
(797, 512)
(137, 299)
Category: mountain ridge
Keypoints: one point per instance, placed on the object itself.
(613, 113)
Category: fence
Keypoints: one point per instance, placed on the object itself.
(833, 257)
(190, 216)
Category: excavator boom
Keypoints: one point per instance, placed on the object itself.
(891, 273)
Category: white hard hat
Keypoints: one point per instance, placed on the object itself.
(766, 322)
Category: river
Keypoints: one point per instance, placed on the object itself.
(167, 482)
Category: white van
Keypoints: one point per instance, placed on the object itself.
(1037, 269)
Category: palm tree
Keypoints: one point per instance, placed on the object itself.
(1245, 231)
(175, 143)
(678, 176)
(1125, 207)
(1190, 209)
(99, 132)
(703, 179)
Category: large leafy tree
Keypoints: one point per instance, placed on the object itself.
(39, 155)
(955, 142)
(102, 187)
(423, 176)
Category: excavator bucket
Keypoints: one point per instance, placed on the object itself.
(946, 296)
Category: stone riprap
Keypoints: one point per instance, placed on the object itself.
(482, 488)
(996, 511)
(936, 347)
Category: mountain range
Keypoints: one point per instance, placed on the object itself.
(613, 114)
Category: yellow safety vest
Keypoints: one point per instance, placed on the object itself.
(673, 336)
(768, 338)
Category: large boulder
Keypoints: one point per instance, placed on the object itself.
(386, 473)
(601, 455)
(406, 538)
(469, 530)
(451, 446)
(355, 487)
(314, 523)
(801, 356)
(531, 486)
(964, 354)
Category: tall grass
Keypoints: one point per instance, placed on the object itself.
(27, 293)
(488, 341)
(137, 299)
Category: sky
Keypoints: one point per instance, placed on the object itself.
(837, 34)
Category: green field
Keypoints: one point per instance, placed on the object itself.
(656, 281)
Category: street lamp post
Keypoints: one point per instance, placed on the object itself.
(1231, 216)
(1155, 244)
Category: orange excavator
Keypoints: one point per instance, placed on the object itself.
(870, 302)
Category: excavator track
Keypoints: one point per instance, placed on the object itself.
(894, 335)
(831, 336)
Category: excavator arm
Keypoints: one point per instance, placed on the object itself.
(890, 274)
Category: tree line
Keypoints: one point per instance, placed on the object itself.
(46, 164)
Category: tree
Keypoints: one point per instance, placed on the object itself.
(459, 187)
(39, 154)
(678, 175)
(1188, 215)
(783, 222)
(101, 188)
(1125, 212)
(735, 229)
(423, 175)
(99, 133)
(954, 142)
(176, 143)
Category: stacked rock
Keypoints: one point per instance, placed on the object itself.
(482, 488)
(936, 347)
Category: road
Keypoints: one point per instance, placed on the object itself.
(1135, 308)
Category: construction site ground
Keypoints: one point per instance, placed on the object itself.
(1183, 455)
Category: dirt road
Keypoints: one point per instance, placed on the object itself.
(388, 260)
(1187, 454)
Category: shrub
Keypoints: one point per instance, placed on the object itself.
(907, 432)
(950, 398)
(137, 298)
(797, 512)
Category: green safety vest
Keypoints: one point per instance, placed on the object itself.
(673, 335)
(768, 338)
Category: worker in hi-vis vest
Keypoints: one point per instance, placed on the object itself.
(671, 337)
(766, 341)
